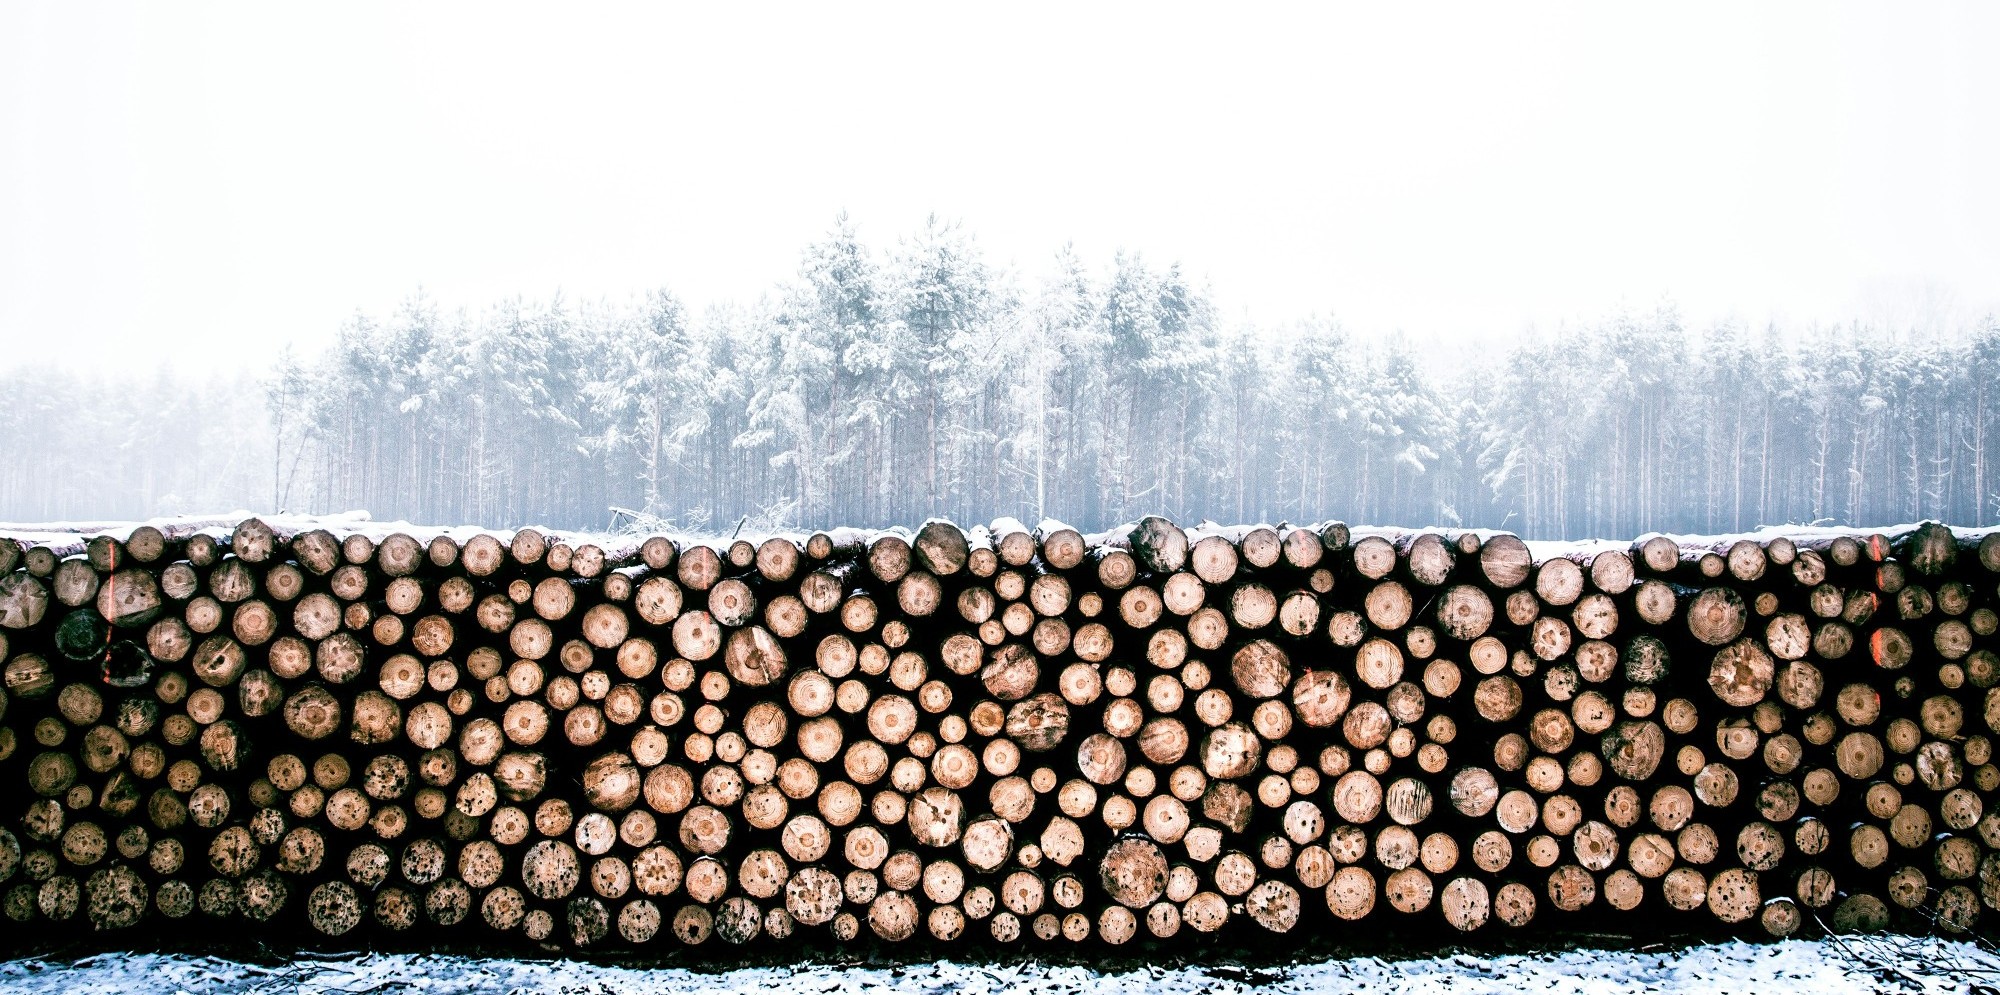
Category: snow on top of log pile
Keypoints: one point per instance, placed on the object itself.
(69, 537)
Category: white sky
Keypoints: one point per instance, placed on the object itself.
(185, 178)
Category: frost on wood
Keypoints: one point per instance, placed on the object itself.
(996, 736)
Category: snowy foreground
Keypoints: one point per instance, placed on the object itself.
(1821, 967)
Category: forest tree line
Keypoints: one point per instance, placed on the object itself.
(888, 385)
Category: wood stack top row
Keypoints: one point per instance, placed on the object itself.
(999, 736)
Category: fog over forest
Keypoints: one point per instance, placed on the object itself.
(888, 382)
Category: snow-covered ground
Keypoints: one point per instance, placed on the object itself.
(1820, 968)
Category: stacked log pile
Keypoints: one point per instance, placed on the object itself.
(997, 736)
